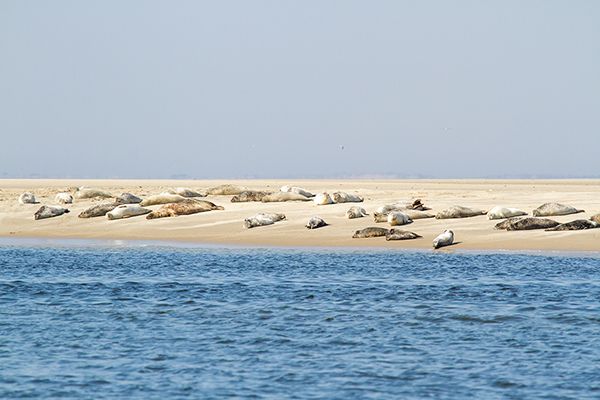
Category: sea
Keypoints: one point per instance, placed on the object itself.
(159, 321)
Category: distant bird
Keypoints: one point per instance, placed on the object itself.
(341, 147)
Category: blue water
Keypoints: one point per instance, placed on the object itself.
(150, 323)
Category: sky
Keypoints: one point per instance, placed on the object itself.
(299, 89)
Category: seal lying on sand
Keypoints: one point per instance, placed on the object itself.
(97, 211)
(49, 212)
(316, 222)
(402, 205)
(343, 197)
(127, 198)
(595, 218)
(398, 218)
(526, 223)
(126, 211)
(372, 231)
(443, 239)
(90, 193)
(458, 212)
(297, 190)
(283, 196)
(504, 212)
(577, 225)
(185, 207)
(249, 195)
(226, 190)
(356, 212)
(27, 198)
(397, 234)
(63, 198)
(185, 192)
(162, 198)
(262, 219)
(412, 214)
(323, 199)
(552, 209)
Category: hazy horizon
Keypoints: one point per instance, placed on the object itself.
(266, 89)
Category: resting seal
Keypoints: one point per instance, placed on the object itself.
(397, 234)
(356, 212)
(226, 190)
(443, 239)
(297, 190)
(27, 198)
(323, 199)
(162, 198)
(127, 198)
(577, 225)
(551, 209)
(49, 212)
(185, 207)
(398, 218)
(98, 211)
(458, 212)
(316, 222)
(262, 219)
(89, 193)
(526, 223)
(185, 192)
(283, 196)
(504, 212)
(126, 211)
(370, 232)
(595, 218)
(402, 205)
(343, 197)
(63, 198)
(249, 195)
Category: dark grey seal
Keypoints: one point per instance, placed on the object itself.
(526, 223)
(397, 234)
(369, 232)
(98, 211)
(127, 198)
(577, 225)
(49, 212)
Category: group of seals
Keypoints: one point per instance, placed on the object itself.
(390, 234)
(325, 198)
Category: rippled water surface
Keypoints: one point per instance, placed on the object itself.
(214, 323)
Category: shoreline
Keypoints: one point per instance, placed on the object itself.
(224, 228)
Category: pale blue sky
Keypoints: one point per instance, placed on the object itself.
(222, 89)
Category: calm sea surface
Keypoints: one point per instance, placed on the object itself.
(162, 323)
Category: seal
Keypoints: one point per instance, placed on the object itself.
(63, 198)
(162, 198)
(577, 225)
(185, 207)
(90, 193)
(526, 223)
(262, 219)
(283, 196)
(185, 192)
(127, 198)
(225, 190)
(553, 209)
(49, 212)
(27, 198)
(297, 190)
(595, 218)
(445, 238)
(458, 212)
(397, 234)
(504, 212)
(249, 195)
(99, 210)
(356, 212)
(322, 199)
(127, 211)
(343, 197)
(372, 231)
(398, 218)
(315, 222)
(401, 206)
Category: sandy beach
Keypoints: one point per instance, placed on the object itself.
(226, 227)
